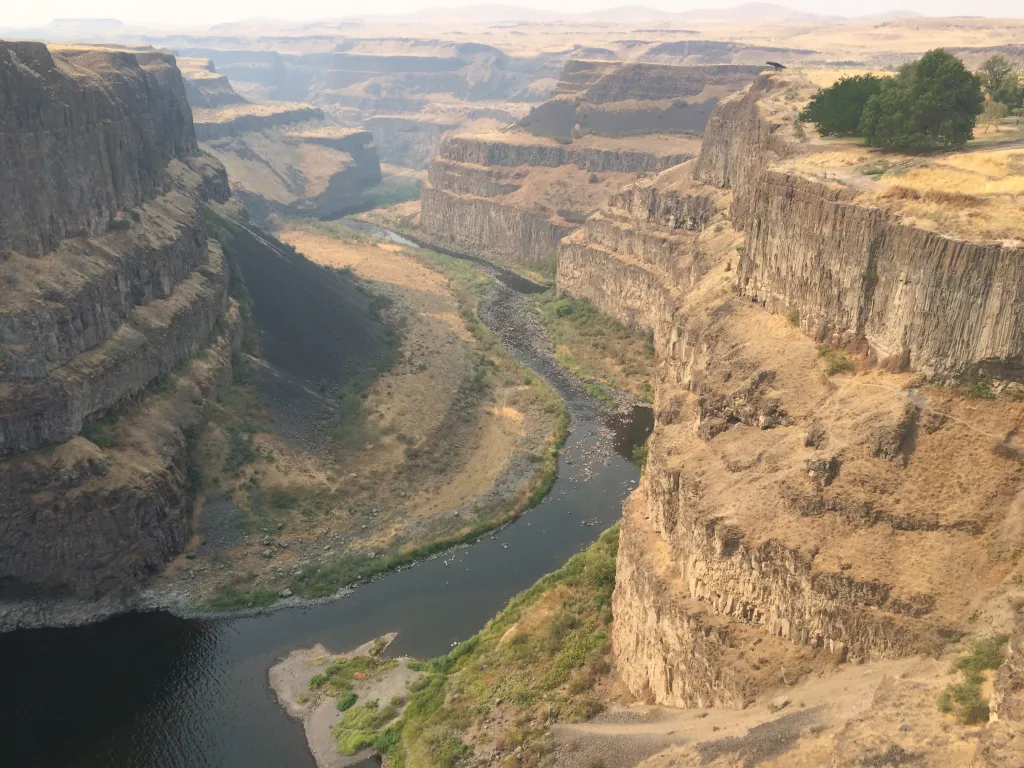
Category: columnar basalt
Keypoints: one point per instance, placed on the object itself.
(921, 300)
(827, 512)
(110, 291)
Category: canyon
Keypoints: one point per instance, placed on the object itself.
(512, 196)
(218, 393)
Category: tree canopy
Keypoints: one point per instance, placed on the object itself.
(933, 102)
(1002, 83)
(836, 110)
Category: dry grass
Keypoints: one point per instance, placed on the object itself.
(976, 195)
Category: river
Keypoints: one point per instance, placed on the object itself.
(151, 690)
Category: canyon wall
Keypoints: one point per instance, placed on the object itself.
(205, 87)
(921, 300)
(794, 514)
(614, 98)
(86, 133)
(288, 158)
(512, 197)
(115, 323)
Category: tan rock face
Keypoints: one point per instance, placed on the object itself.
(109, 283)
(921, 300)
(788, 520)
(87, 133)
(287, 158)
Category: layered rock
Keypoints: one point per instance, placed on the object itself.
(86, 133)
(289, 158)
(512, 197)
(110, 292)
(792, 515)
(491, 185)
(627, 98)
(205, 87)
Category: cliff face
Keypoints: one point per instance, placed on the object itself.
(289, 158)
(793, 516)
(921, 300)
(86, 133)
(512, 197)
(629, 98)
(204, 87)
(110, 291)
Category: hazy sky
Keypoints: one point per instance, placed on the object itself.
(204, 12)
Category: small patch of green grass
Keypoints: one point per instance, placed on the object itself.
(640, 456)
(876, 168)
(339, 675)
(595, 346)
(359, 727)
(964, 699)
(835, 361)
(980, 388)
(229, 597)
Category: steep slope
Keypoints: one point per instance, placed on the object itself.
(115, 320)
(496, 195)
(802, 506)
(204, 87)
(288, 158)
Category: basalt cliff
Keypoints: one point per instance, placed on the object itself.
(115, 319)
(512, 195)
(287, 158)
(820, 486)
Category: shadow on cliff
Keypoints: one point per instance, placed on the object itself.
(317, 330)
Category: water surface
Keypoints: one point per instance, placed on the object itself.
(156, 691)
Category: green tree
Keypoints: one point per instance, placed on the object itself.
(933, 102)
(1001, 82)
(836, 110)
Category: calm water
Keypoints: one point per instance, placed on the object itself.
(155, 691)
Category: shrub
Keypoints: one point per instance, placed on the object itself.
(115, 225)
(346, 701)
(837, 110)
(933, 102)
(835, 361)
(640, 456)
(964, 698)
(980, 388)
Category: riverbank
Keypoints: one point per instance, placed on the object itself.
(197, 694)
(344, 700)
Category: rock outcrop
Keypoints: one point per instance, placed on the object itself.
(289, 158)
(205, 87)
(794, 514)
(87, 133)
(494, 195)
(628, 98)
(115, 323)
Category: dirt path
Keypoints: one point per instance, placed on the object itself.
(623, 738)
